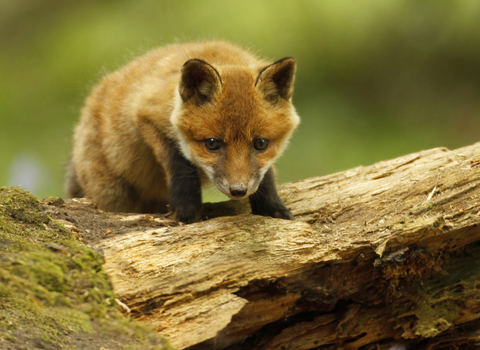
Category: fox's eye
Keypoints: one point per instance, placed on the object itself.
(260, 144)
(212, 144)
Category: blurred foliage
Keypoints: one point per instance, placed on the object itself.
(376, 78)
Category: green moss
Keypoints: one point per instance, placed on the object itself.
(54, 295)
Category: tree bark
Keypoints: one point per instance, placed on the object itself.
(379, 257)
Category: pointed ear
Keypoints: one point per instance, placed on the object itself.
(200, 82)
(276, 80)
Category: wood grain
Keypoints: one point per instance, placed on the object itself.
(380, 257)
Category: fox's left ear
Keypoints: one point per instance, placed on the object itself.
(276, 80)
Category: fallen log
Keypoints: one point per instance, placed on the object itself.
(379, 257)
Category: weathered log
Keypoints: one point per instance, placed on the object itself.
(379, 257)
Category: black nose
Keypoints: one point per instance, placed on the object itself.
(238, 190)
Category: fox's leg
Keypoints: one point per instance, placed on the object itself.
(184, 186)
(266, 201)
(182, 178)
(110, 192)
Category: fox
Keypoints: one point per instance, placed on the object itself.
(152, 134)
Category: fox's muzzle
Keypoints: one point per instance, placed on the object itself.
(238, 190)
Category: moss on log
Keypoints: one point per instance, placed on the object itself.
(54, 292)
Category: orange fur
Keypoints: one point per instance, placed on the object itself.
(134, 117)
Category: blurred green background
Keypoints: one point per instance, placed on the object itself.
(376, 79)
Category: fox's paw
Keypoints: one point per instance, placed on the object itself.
(280, 212)
(186, 214)
(283, 214)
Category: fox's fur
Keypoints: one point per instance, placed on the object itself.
(148, 133)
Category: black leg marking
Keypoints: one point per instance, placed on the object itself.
(184, 187)
(266, 201)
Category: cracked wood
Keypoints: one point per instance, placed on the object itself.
(367, 262)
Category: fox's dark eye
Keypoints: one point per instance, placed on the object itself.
(260, 144)
(212, 144)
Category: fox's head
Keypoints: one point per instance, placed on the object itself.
(233, 122)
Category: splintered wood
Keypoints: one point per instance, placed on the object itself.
(379, 257)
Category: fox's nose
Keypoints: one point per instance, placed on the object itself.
(238, 190)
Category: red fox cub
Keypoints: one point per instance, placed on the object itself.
(154, 131)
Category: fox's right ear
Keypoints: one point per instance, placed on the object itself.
(200, 82)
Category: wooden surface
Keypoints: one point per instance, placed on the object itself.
(380, 257)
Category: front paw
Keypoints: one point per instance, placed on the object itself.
(283, 213)
(186, 213)
(278, 212)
